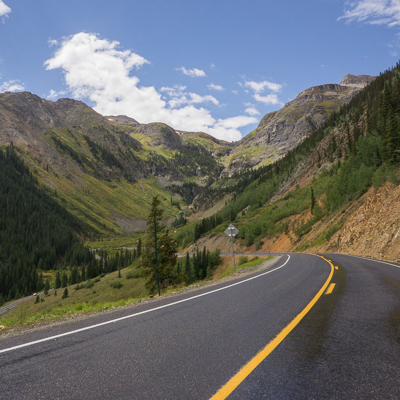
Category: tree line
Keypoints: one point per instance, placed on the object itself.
(36, 233)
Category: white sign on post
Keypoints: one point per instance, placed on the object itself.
(231, 231)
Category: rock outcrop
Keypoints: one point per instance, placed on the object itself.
(281, 131)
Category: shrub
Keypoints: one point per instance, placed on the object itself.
(133, 274)
(243, 260)
(116, 285)
(89, 284)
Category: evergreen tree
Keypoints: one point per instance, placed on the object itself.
(188, 268)
(65, 294)
(58, 280)
(46, 287)
(312, 200)
(166, 249)
(64, 279)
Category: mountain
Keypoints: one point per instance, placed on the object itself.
(336, 191)
(280, 131)
(106, 170)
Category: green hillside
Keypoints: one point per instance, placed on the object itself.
(359, 146)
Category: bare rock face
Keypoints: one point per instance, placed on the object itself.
(281, 131)
(358, 81)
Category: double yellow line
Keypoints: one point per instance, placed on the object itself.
(236, 380)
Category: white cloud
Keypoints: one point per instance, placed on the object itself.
(212, 86)
(96, 69)
(270, 99)
(12, 86)
(194, 72)
(52, 42)
(376, 12)
(259, 87)
(179, 97)
(252, 111)
(54, 94)
(4, 10)
(227, 128)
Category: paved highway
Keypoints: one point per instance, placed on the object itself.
(346, 345)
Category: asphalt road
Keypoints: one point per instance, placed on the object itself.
(346, 347)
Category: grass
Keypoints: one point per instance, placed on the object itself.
(227, 269)
(93, 295)
(116, 242)
(99, 294)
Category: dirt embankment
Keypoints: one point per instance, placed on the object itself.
(223, 243)
(371, 228)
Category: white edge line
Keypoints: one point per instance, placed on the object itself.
(368, 259)
(139, 313)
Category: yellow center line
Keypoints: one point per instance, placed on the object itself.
(330, 288)
(237, 379)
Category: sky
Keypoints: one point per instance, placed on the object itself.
(216, 66)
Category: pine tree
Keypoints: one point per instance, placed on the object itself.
(58, 280)
(65, 294)
(188, 268)
(166, 249)
(46, 287)
(312, 200)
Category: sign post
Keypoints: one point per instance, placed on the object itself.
(231, 231)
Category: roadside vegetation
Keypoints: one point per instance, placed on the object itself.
(362, 150)
(111, 291)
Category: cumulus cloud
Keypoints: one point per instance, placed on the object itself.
(54, 94)
(98, 70)
(179, 97)
(251, 111)
(212, 86)
(376, 12)
(259, 87)
(194, 72)
(12, 86)
(270, 99)
(4, 9)
(227, 128)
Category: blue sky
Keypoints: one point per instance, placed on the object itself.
(215, 66)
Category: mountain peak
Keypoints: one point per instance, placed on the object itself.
(357, 80)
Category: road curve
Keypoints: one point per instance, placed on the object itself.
(348, 346)
(184, 351)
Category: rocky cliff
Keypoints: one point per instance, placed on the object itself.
(281, 131)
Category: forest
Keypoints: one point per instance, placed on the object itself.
(37, 234)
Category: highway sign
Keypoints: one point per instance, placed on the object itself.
(231, 231)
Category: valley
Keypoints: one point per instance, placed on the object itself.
(319, 175)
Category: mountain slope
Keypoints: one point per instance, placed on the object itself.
(107, 169)
(329, 192)
(280, 131)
